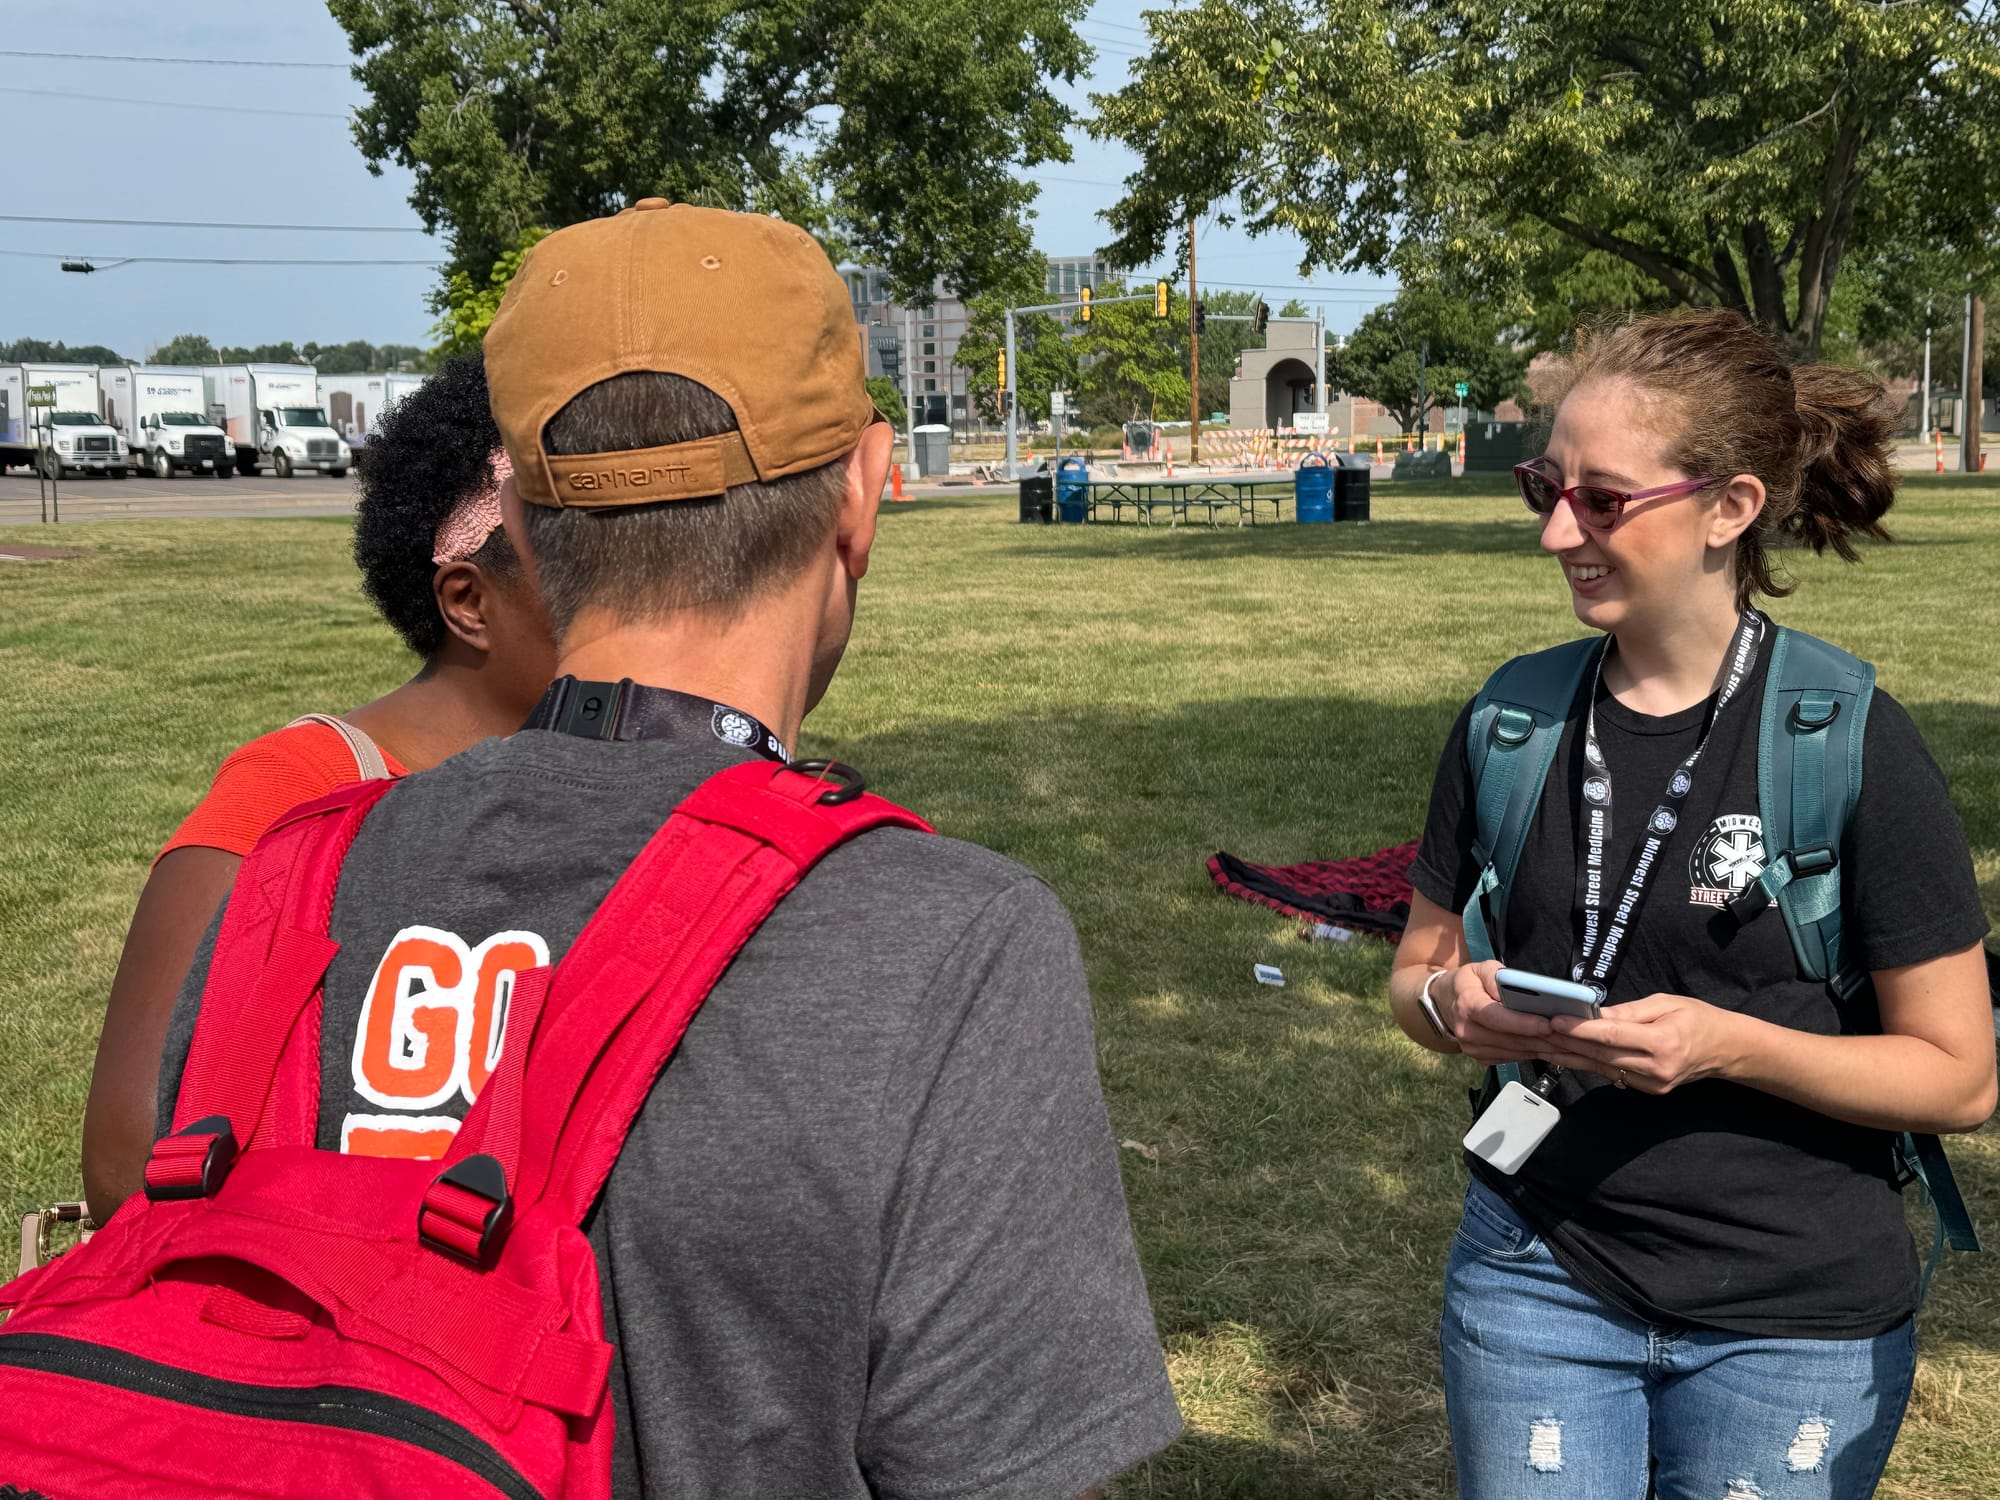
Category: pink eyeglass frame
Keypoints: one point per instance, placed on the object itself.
(1620, 498)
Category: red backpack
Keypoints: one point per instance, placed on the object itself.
(283, 1321)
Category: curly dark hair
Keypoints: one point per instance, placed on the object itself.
(434, 447)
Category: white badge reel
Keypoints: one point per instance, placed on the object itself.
(1506, 1134)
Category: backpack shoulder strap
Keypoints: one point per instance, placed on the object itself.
(368, 762)
(270, 957)
(1809, 740)
(1809, 753)
(1510, 742)
(584, 1044)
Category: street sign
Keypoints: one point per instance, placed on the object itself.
(1058, 403)
(41, 395)
(1309, 421)
(1461, 388)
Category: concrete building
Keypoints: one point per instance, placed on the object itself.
(937, 381)
(1272, 383)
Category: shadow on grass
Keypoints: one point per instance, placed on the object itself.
(1295, 1223)
(1398, 538)
(1298, 1203)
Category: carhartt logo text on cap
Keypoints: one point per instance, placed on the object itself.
(620, 479)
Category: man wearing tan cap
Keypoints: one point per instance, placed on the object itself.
(866, 1236)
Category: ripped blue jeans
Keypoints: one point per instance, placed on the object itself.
(1555, 1394)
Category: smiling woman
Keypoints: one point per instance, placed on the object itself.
(1720, 1171)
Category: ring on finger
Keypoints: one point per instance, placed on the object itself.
(1620, 1079)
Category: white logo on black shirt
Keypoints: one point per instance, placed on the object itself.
(1726, 858)
(733, 728)
(1597, 789)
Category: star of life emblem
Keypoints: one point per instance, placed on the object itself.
(1726, 859)
(733, 728)
(1597, 789)
(1663, 820)
(1680, 784)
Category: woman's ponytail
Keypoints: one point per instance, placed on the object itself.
(1847, 474)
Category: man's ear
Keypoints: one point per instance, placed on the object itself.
(1741, 502)
(463, 593)
(867, 472)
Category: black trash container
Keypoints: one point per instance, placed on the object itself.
(1038, 497)
(1350, 493)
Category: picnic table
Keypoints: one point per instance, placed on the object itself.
(1180, 497)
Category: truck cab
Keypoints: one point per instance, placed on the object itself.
(66, 440)
(187, 442)
(301, 437)
(159, 410)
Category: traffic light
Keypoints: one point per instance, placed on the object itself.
(1003, 369)
(1263, 316)
(1083, 293)
(1159, 299)
(1201, 317)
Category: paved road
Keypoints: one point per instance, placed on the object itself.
(184, 498)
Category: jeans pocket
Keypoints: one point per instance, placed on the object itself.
(1492, 1229)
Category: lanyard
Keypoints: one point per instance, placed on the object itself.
(629, 710)
(1605, 926)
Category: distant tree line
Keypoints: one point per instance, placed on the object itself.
(357, 357)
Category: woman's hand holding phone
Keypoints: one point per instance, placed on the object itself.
(1654, 1045)
(1487, 1031)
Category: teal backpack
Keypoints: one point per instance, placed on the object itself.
(1808, 776)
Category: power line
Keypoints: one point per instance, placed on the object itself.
(218, 224)
(217, 109)
(204, 62)
(207, 260)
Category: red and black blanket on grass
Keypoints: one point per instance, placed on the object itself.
(1369, 893)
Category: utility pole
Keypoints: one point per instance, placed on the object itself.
(1924, 401)
(1972, 386)
(1194, 357)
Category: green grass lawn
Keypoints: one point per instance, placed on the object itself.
(1109, 706)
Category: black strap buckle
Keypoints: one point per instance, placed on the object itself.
(852, 782)
(183, 1178)
(1813, 859)
(1748, 904)
(448, 1231)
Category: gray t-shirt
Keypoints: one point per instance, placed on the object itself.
(867, 1235)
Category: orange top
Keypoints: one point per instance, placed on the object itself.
(264, 779)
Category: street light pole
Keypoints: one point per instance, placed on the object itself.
(1924, 401)
(1968, 419)
(1007, 404)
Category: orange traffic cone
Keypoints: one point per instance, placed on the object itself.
(1938, 434)
(896, 482)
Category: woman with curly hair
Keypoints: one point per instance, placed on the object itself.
(436, 564)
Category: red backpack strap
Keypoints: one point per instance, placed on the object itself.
(571, 1079)
(270, 958)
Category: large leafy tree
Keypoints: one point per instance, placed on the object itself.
(1044, 353)
(1134, 364)
(895, 129)
(1732, 152)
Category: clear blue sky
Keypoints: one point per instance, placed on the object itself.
(271, 145)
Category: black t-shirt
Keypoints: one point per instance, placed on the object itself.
(1716, 1204)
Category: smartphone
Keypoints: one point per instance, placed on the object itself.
(1539, 995)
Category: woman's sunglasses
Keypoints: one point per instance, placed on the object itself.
(1596, 507)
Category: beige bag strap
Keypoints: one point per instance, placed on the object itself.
(367, 754)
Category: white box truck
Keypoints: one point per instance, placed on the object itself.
(17, 444)
(356, 403)
(162, 413)
(272, 415)
(73, 435)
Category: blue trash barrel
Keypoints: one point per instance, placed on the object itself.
(1073, 490)
(1312, 488)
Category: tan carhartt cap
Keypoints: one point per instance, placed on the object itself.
(746, 305)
